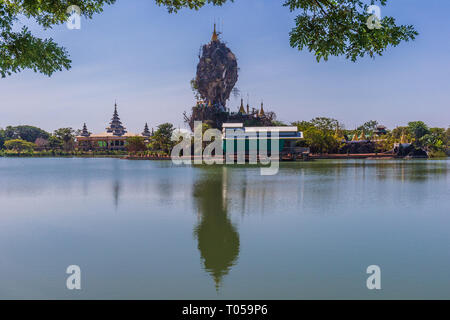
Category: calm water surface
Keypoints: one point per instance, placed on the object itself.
(151, 230)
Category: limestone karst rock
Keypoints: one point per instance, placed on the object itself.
(217, 72)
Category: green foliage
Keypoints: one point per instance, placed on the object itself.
(55, 143)
(319, 134)
(19, 145)
(325, 124)
(135, 144)
(302, 125)
(418, 129)
(2, 138)
(27, 133)
(369, 127)
(325, 27)
(161, 140)
(434, 140)
(320, 141)
(176, 5)
(330, 27)
(67, 136)
(19, 49)
(397, 133)
(278, 123)
(339, 27)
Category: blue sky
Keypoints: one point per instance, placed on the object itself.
(139, 54)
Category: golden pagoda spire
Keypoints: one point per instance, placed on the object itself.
(403, 138)
(363, 135)
(214, 36)
(241, 109)
(261, 112)
(355, 137)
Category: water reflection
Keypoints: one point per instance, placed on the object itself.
(218, 239)
(116, 193)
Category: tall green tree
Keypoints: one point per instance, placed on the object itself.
(67, 136)
(418, 129)
(161, 140)
(20, 49)
(330, 27)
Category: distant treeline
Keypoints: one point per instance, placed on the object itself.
(321, 135)
(327, 135)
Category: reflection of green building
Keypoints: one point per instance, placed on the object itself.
(218, 239)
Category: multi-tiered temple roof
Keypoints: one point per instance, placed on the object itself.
(85, 132)
(146, 132)
(115, 126)
(114, 138)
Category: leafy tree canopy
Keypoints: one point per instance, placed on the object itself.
(67, 136)
(27, 133)
(330, 27)
(369, 126)
(323, 123)
(135, 144)
(319, 134)
(418, 129)
(55, 143)
(161, 140)
(19, 49)
(19, 145)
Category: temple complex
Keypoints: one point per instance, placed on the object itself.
(113, 138)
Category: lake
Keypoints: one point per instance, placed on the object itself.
(153, 230)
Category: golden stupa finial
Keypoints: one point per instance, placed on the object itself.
(261, 112)
(403, 137)
(214, 36)
(363, 135)
(241, 109)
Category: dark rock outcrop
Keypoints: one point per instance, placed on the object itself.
(217, 73)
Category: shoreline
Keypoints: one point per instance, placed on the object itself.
(310, 157)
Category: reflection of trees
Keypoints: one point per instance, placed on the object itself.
(218, 239)
(412, 170)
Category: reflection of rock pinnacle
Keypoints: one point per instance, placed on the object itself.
(218, 240)
(116, 192)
